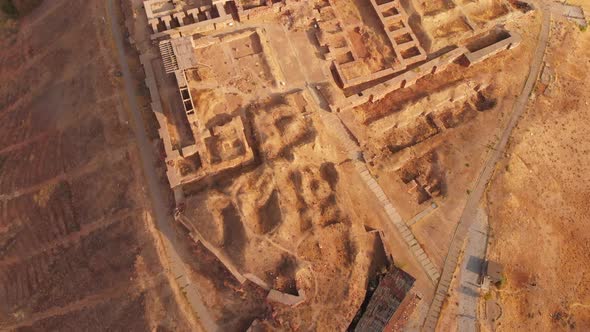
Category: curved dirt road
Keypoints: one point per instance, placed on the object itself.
(469, 213)
(164, 220)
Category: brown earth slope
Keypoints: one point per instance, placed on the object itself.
(76, 249)
(539, 199)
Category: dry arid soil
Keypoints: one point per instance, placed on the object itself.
(539, 200)
(77, 251)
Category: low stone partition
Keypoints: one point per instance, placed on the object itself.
(168, 18)
(284, 298)
(156, 105)
(333, 34)
(273, 294)
(266, 7)
(395, 20)
(410, 77)
(506, 44)
(197, 237)
(356, 81)
(403, 80)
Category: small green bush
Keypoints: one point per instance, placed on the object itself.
(502, 282)
(400, 265)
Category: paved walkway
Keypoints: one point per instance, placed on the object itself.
(471, 269)
(163, 218)
(333, 123)
(469, 213)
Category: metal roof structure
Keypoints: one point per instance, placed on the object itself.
(386, 299)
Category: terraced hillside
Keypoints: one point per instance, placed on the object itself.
(77, 248)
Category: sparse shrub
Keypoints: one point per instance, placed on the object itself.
(400, 265)
(502, 282)
(8, 8)
(18, 8)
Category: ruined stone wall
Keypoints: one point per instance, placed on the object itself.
(263, 10)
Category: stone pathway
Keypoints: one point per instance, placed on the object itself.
(162, 217)
(333, 123)
(433, 206)
(470, 272)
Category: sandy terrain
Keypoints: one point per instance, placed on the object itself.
(288, 216)
(267, 188)
(538, 200)
(279, 186)
(77, 250)
(399, 137)
(286, 223)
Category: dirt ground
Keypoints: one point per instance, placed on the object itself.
(289, 218)
(395, 142)
(71, 202)
(538, 201)
(278, 194)
(284, 222)
(281, 217)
